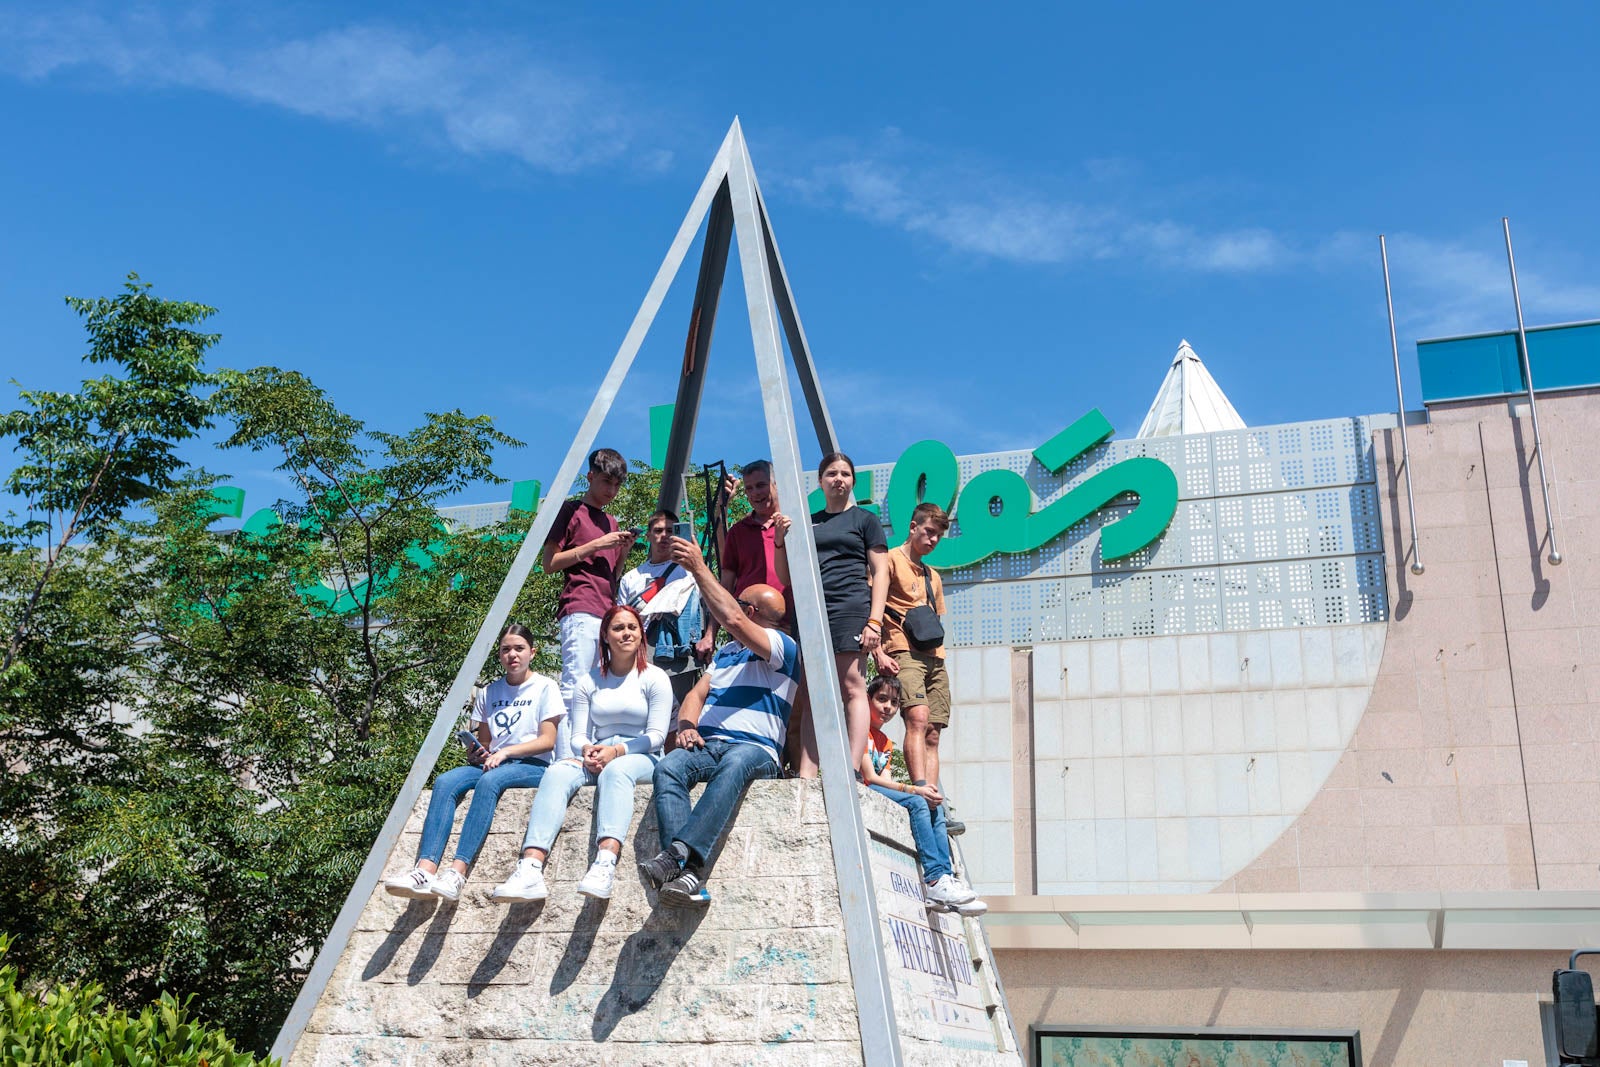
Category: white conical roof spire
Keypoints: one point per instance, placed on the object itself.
(1189, 401)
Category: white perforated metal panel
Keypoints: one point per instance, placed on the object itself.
(1276, 526)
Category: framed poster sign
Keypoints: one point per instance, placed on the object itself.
(1098, 1046)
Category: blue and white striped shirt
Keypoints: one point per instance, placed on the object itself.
(751, 696)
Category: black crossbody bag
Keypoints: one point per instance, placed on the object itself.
(921, 624)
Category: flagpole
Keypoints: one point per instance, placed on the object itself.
(1400, 402)
(1533, 406)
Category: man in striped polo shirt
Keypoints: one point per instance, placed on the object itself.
(731, 727)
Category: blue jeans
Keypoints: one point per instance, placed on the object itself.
(726, 767)
(613, 798)
(927, 830)
(485, 787)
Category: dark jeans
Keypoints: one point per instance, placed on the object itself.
(726, 767)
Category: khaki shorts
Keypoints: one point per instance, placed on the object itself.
(923, 681)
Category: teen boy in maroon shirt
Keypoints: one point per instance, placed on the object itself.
(586, 545)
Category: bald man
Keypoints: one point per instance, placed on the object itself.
(731, 727)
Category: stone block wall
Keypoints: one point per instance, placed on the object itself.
(761, 976)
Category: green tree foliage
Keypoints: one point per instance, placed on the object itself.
(88, 455)
(74, 1025)
(202, 728)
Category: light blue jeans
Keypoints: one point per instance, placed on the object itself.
(613, 800)
(486, 787)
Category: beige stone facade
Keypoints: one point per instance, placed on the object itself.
(1475, 763)
(1468, 790)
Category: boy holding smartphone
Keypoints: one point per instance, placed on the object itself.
(586, 545)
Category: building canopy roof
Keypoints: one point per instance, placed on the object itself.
(1189, 401)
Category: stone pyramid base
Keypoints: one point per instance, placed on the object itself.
(759, 976)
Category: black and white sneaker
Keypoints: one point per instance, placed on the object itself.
(662, 867)
(415, 884)
(686, 891)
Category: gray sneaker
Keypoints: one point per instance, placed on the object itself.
(662, 867)
(953, 826)
(686, 891)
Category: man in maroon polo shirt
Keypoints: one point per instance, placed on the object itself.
(748, 552)
(749, 558)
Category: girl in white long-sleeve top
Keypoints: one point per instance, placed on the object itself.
(619, 719)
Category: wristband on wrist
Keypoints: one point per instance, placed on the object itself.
(875, 624)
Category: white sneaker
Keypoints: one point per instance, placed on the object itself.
(525, 883)
(417, 884)
(972, 908)
(448, 882)
(597, 883)
(947, 892)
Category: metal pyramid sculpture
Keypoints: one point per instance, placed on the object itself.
(1189, 401)
(730, 203)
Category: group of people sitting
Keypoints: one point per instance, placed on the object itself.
(645, 692)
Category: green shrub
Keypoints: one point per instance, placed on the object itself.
(73, 1025)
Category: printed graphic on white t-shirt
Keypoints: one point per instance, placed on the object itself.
(514, 712)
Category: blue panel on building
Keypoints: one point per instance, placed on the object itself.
(1486, 365)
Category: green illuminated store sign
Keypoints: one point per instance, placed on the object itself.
(229, 501)
(995, 510)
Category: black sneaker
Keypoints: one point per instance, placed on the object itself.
(661, 867)
(686, 891)
(953, 826)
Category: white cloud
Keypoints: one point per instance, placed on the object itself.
(1446, 287)
(494, 98)
(996, 221)
(478, 97)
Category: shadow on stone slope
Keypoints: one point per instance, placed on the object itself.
(409, 920)
(642, 965)
(518, 918)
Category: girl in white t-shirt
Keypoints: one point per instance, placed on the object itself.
(515, 719)
(619, 719)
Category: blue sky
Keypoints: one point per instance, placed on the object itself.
(993, 219)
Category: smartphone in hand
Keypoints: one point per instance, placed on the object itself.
(469, 741)
(684, 530)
